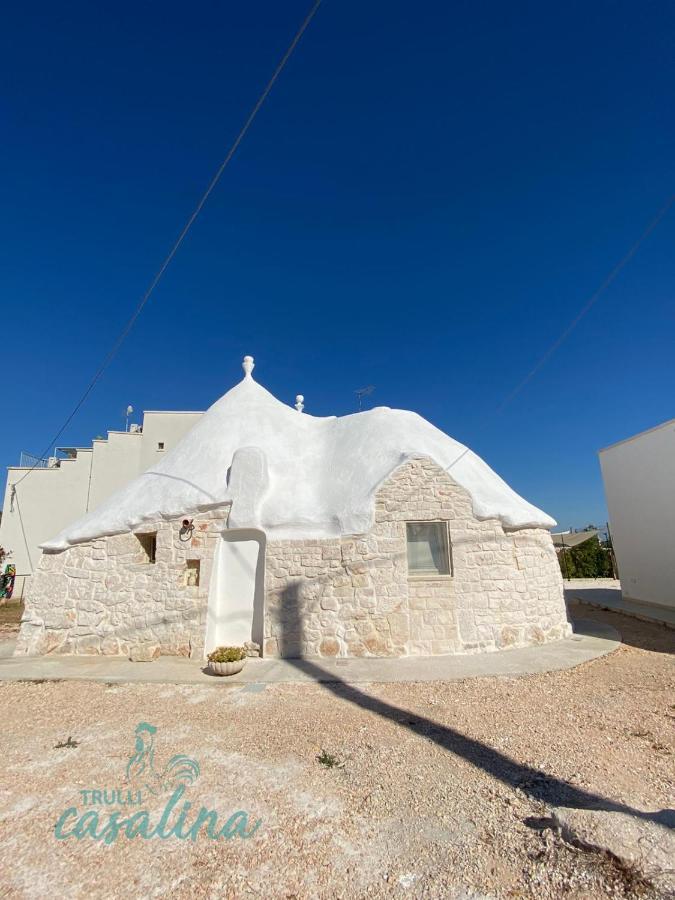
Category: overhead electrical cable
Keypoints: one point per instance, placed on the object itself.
(181, 237)
(593, 299)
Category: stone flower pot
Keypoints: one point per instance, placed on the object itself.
(227, 668)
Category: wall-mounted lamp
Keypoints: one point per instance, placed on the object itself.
(186, 529)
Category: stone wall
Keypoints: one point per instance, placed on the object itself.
(348, 596)
(105, 596)
(352, 596)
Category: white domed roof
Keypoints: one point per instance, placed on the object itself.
(294, 475)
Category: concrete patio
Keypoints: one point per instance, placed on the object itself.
(589, 641)
(605, 593)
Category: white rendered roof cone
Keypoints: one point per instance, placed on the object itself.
(294, 476)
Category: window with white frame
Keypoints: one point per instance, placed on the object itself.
(428, 546)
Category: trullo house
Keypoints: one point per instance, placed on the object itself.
(372, 534)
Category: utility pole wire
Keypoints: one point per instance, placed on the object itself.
(181, 237)
(591, 302)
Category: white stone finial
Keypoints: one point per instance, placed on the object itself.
(299, 403)
(248, 365)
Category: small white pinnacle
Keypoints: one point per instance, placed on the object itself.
(248, 365)
(299, 403)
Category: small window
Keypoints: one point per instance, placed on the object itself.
(192, 573)
(149, 544)
(428, 548)
(160, 445)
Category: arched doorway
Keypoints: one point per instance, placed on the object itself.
(237, 591)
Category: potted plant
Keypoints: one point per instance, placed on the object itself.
(227, 660)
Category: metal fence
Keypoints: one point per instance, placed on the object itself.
(28, 461)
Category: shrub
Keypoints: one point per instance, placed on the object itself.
(588, 560)
(227, 654)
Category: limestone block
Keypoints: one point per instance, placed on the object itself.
(377, 645)
(51, 562)
(79, 590)
(356, 648)
(144, 652)
(534, 635)
(87, 646)
(73, 572)
(329, 647)
(88, 619)
(508, 637)
(55, 618)
(348, 550)
(361, 581)
(399, 626)
(443, 647)
(422, 633)
(439, 600)
(466, 626)
(52, 641)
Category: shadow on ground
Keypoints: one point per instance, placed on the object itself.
(634, 632)
(533, 782)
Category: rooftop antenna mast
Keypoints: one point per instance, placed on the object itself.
(364, 392)
(129, 411)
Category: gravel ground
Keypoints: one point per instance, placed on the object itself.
(438, 789)
(10, 616)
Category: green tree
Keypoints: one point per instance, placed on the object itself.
(587, 560)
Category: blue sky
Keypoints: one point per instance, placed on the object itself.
(427, 199)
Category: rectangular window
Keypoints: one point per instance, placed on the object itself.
(160, 445)
(428, 548)
(192, 573)
(149, 544)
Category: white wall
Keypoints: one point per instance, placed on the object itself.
(163, 427)
(116, 461)
(639, 477)
(45, 502)
(48, 500)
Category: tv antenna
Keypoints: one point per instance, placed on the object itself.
(364, 392)
(128, 412)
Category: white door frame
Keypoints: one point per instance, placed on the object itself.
(235, 611)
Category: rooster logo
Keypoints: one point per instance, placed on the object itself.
(180, 769)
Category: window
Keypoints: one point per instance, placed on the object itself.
(192, 573)
(428, 548)
(160, 445)
(149, 544)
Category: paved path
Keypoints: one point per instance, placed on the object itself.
(605, 593)
(590, 641)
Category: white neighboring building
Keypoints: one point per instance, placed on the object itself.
(50, 498)
(639, 476)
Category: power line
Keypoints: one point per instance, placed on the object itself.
(589, 304)
(573, 324)
(15, 498)
(181, 237)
